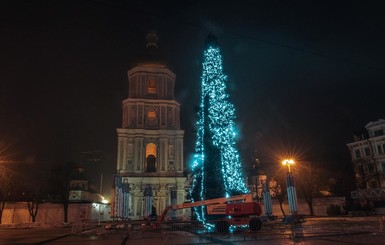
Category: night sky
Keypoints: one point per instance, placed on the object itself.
(303, 75)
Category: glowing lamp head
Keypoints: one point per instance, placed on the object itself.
(105, 201)
(288, 162)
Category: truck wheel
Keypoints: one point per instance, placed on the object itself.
(255, 224)
(222, 226)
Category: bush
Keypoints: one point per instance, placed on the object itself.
(333, 210)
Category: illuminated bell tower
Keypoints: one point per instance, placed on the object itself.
(150, 143)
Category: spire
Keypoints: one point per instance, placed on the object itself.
(151, 54)
(152, 40)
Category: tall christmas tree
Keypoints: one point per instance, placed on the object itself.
(217, 170)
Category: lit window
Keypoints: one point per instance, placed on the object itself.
(151, 115)
(150, 149)
(151, 86)
(151, 157)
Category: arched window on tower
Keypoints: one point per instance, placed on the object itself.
(151, 157)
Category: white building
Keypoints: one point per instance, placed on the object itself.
(150, 145)
(80, 191)
(368, 157)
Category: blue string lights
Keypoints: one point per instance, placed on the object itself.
(216, 124)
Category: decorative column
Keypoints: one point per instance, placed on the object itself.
(267, 198)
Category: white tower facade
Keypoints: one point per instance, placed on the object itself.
(150, 147)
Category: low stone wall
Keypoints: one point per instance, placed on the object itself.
(17, 213)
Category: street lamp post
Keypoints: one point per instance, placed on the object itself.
(291, 193)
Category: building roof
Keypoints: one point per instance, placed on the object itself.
(375, 123)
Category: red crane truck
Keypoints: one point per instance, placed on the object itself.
(237, 210)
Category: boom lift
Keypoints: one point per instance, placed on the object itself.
(236, 210)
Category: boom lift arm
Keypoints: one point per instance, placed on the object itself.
(210, 202)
